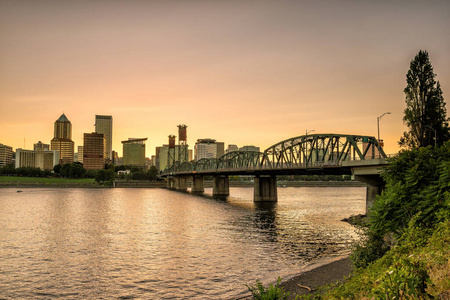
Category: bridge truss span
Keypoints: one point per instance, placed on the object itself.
(305, 152)
(321, 150)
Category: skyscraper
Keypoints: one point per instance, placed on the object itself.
(80, 154)
(103, 124)
(62, 140)
(94, 151)
(134, 152)
(41, 146)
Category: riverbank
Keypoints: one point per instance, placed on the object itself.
(315, 276)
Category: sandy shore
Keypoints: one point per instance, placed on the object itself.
(315, 276)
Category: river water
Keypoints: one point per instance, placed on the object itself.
(161, 244)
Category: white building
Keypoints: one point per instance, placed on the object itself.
(44, 159)
(208, 148)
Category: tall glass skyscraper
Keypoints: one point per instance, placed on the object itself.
(62, 140)
(103, 124)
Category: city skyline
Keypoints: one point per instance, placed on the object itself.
(245, 73)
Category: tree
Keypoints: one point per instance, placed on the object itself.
(105, 176)
(152, 173)
(57, 169)
(77, 170)
(425, 112)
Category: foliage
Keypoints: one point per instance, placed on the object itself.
(416, 184)
(7, 170)
(370, 248)
(73, 170)
(425, 113)
(105, 176)
(260, 292)
(152, 173)
(418, 267)
(57, 169)
(91, 173)
(24, 171)
(404, 253)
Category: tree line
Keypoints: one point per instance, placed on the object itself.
(76, 170)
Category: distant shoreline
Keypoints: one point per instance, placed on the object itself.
(142, 184)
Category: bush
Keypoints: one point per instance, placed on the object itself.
(105, 176)
(260, 292)
(417, 186)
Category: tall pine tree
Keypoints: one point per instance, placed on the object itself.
(425, 113)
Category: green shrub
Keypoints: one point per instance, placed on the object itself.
(260, 292)
(417, 186)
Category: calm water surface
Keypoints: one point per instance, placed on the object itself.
(160, 244)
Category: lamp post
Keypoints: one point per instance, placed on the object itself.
(434, 133)
(378, 123)
(378, 127)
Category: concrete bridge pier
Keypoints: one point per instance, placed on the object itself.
(170, 183)
(197, 185)
(265, 189)
(181, 183)
(221, 186)
(375, 185)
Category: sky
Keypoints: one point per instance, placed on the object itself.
(241, 72)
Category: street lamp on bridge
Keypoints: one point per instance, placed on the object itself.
(378, 123)
(378, 126)
(309, 131)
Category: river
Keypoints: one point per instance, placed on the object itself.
(160, 244)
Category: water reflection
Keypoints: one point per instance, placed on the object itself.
(155, 243)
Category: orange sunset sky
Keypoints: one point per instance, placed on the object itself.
(241, 72)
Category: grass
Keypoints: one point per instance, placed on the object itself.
(44, 180)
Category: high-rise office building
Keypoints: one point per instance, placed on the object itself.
(80, 154)
(41, 146)
(94, 151)
(62, 140)
(103, 124)
(208, 148)
(6, 155)
(134, 152)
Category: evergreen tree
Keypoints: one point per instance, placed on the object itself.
(425, 113)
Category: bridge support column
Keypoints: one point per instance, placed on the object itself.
(375, 186)
(265, 189)
(181, 183)
(170, 183)
(221, 186)
(197, 185)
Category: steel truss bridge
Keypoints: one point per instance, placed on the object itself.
(306, 154)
